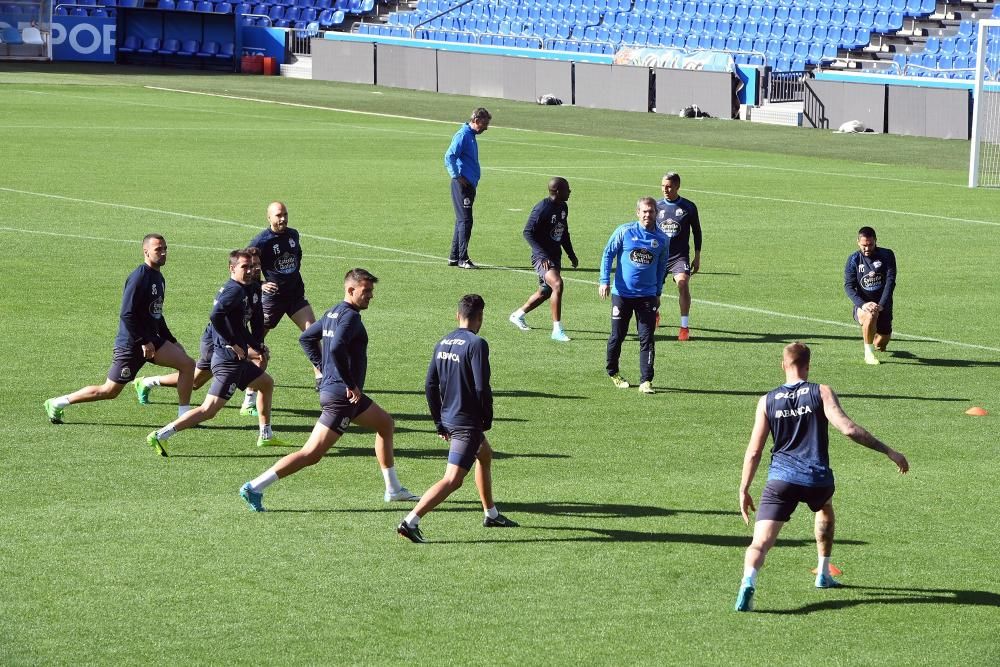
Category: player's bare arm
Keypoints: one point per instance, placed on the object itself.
(836, 415)
(755, 449)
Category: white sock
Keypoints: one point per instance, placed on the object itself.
(151, 381)
(684, 321)
(492, 512)
(751, 574)
(164, 433)
(557, 326)
(869, 348)
(181, 409)
(824, 566)
(392, 484)
(412, 520)
(267, 479)
(250, 398)
(61, 402)
(265, 432)
(517, 313)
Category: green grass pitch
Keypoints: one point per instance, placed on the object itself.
(631, 546)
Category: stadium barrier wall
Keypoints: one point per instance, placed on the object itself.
(588, 80)
(402, 67)
(714, 92)
(829, 104)
(930, 112)
(619, 87)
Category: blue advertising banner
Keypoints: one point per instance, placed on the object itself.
(83, 38)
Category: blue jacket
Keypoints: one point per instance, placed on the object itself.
(462, 156)
(640, 259)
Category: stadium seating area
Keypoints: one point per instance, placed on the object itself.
(789, 35)
(296, 14)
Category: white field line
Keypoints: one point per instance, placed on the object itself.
(440, 261)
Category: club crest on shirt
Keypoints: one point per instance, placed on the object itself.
(877, 264)
(291, 242)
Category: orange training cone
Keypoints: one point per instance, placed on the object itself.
(976, 412)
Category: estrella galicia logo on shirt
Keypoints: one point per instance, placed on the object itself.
(871, 281)
(558, 229)
(156, 308)
(285, 264)
(670, 227)
(641, 256)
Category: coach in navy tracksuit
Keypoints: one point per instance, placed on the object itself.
(461, 404)
(462, 162)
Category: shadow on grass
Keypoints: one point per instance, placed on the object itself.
(336, 452)
(894, 595)
(761, 392)
(697, 334)
(913, 360)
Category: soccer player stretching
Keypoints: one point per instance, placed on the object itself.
(869, 281)
(143, 336)
(284, 292)
(233, 346)
(796, 414)
(338, 343)
(461, 404)
(547, 232)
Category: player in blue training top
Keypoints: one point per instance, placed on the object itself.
(236, 337)
(796, 414)
(461, 160)
(639, 252)
(284, 293)
(338, 343)
(203, 366)
(869, 280)
(547, 232)
(677, 217)
(461, 404)
(143, 336)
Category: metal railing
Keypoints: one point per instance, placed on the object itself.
(787, 86)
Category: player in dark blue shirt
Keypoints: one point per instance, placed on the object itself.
(869, 281)
(338, 343)
(284, 292)
(461, 404)
(677, 217)
(233, 344)
(143, 336)
(638, 250)
(796, 415)
(547, 232)
(203, 366)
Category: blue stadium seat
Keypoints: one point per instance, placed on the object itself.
(189, 47)
(166, 4)
(204, 6)
(208, 50)
(223, 8)
(823, 15)
(149, 46)
(76, 11)
(169, 47)
(226, 52)
(933, 45)
(966, 28)
(130, 45)
(184, 6)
